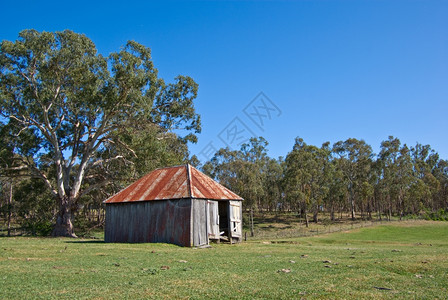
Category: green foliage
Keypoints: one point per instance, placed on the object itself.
(398, 182)
(69, 113)
(87, 125)
(38, 227)
(245, 171)
(440, 215)
(306, 172)
(35, 206)
(354, 158)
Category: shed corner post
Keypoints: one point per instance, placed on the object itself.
(207, 221)
(191, 223)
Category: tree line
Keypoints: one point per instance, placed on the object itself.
(77, 127)
(346, 177)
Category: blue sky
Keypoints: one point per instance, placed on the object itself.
(321, 70)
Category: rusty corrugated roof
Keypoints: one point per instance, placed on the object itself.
(174, 183)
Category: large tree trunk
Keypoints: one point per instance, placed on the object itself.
(64, 226)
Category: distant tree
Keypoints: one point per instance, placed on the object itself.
(73, 111)
(243, 171)
(366, 194)
(337, 189)
(355, 160)
(253, 174)
(305, 177)
(273, 194)
(440, 172)
(397, 173)
(425, 161)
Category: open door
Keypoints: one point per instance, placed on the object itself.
(213, 220)
(235, 216)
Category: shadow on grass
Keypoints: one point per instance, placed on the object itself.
(86, 242)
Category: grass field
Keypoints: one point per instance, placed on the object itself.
(407, 260)
(289, 225)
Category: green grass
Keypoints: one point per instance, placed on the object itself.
(288, 225)
(409, 258)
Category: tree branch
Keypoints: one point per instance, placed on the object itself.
(101, 161)
(35, 172)
(93, 187)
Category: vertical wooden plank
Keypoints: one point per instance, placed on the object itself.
(207, 221)
(229, 214)
(213, 219)
(235, 219)
(165, 221)
(192, 223)
(199, 222)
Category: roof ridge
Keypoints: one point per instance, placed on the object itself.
(165, 168)
(190, 192)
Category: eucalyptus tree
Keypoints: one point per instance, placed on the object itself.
(425, 161)
(305, 177)
(272, 184)
(337, 189)
(379, 193)
(255, 158)
(441, 174)
(243, 171)
(72, 106)
(323, 177)
(224, 167)
(397, 173)
(354, 159)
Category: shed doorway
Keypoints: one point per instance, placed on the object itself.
(224, 221)
(218, 220)
(223, 207)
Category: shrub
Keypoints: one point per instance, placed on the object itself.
(440, 215)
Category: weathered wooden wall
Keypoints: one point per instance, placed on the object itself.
(200, 234)
(161, 221)
(184, 222)
(236, 219)
(213, 220)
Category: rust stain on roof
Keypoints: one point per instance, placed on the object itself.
(174, 183)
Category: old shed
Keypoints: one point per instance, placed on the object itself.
(178, 205)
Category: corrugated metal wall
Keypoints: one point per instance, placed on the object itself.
(161, 221)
